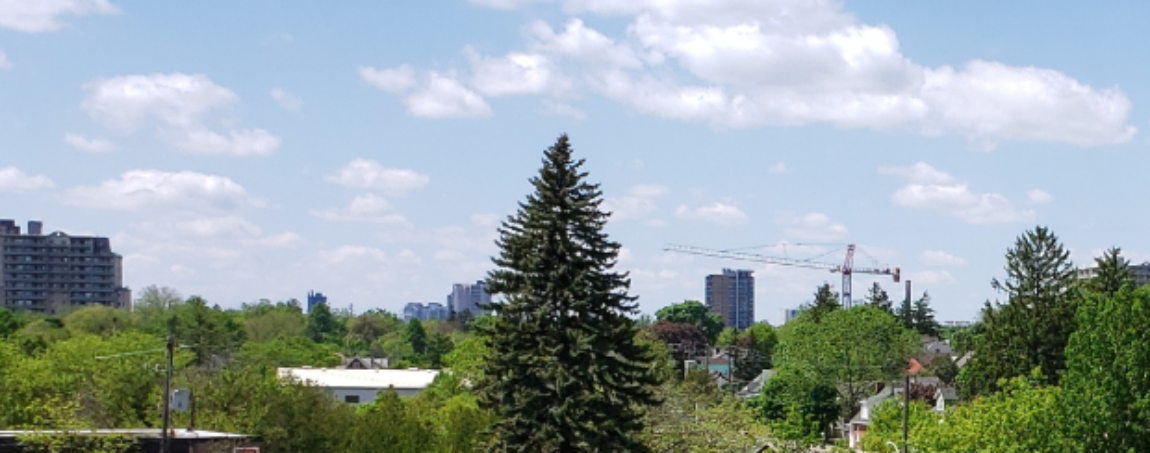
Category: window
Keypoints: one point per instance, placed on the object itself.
(353, 399)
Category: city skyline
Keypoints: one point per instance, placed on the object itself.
(262, 150)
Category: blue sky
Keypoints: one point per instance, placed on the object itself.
(368, 150)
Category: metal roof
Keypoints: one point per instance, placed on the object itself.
(361, 379)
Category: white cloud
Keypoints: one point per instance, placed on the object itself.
(1038, 196)
(139, 190)
(941, 258)
(445, 97)
(395, 80)
(35, 16)
(4, 63)
(14, 180)
(346, 253)
(369, 208)
(515, 74)
(286, 100)
(934, 190)
(640, 202)
(932, 277)
(778, 168)
(181, 104)
(370, 175)
(90, 145)
(746, 63)
(719, 213)
(486, 220)
(561, 109)
(812, 226)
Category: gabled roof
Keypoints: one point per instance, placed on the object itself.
(755, 387)
(947, 393)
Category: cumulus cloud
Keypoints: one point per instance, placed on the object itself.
(744, 63)
(43, 15)
(515, 74)
(370, 175)
(718, 213)
(931, 277)
(640, 202)
(286, 100)
(941, 258)
(184, 191)
(89, 145)
(395, 80)
(1038, 196)
(180, 104)
(934, 190)
(14, 180)
(368, 208)
(812, 226)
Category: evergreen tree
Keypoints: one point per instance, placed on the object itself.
(1031, 330)
(564, 372)
(416, 336)
(923, 316)
(1113, 273)
(878, 298)
(826, 301)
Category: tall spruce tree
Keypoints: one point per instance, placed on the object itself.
(1113, 273)
(923, 316)
(826, 301)
(878, 298)
(1032, 328)
(564, 372)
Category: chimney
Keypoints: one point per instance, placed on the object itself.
(35, 228)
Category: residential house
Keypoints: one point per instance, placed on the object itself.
(943, 396)
(755, 387)
(861, 421)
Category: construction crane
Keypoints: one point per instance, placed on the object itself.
(847, 268)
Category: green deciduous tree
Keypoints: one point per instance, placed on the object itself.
(1032, 328)
(1107, 389)
(564, 371)
(693, 312)
(322, 325)
(753, 351)
(850, 350)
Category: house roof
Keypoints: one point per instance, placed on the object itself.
(756, 385)
(948, 393)
(872, 403)
(361, 379)
(961, 362)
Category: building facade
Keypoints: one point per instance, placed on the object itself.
(732, 296)
(789, 314)
(314, 298)
(432, 310)
(45, 273)
(469, 298)
(1141, 273)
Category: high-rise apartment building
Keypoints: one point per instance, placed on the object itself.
(732, 296)
(789, 314)
(314, 298)
(433, 310)
(1141, 273)
(468, 298)
(45, 273)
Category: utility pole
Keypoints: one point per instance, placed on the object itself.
(906, 387)
(165, 442)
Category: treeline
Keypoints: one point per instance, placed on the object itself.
(1060, 366)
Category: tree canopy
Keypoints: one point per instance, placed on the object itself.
(695, 313)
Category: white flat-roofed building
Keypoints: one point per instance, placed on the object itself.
(361, 386)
